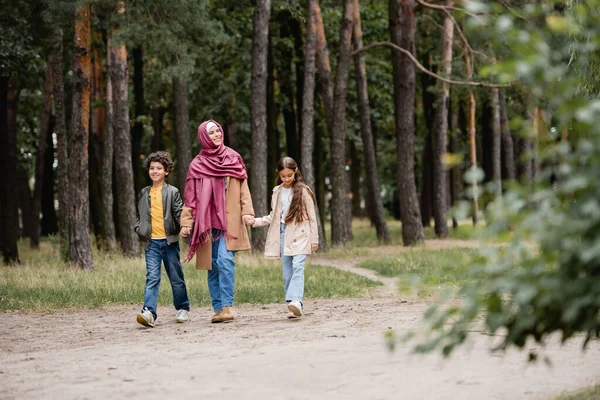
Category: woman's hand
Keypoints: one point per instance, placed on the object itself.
(314, 247)
(249, 219)
(185, 231)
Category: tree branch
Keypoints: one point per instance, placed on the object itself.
(425, 70)
(446, 8)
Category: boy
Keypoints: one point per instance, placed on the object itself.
(158, 213)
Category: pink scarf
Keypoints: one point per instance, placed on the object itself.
(205, 188)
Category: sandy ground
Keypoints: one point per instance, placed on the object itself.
(337, 351)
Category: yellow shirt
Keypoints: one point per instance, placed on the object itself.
(156, 212)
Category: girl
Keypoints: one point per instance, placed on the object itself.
(292, 232)
(217, 202)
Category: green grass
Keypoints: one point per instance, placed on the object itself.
(592, 393)
(43, 283)
(423, 271)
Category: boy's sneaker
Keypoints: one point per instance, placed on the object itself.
(296, 308)
(146, 318)
(183, 316)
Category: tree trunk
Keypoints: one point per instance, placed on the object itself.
(157, 126)
(455, 172)
(182, 126)
(472, 141)
(258, 111)
(124, 175)
(308, 112)
(299, 58)
(41, 153)
(377, 212)
(355, 174)
(140, 177)
(9, 212)
(341, 231)
(106, 178)
(441, 134)
(428, 98)
(80, 250)
(323, 67)
(25, 201)
(273, 146)
(402, 32)
(49, 224)
(62, 157)
(286, 86)
(496, 140)
(507, 148)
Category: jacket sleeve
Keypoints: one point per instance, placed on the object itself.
(177, 205)
(186, 219)
(312, 217)
(246, 199)
(267, 219)
(137, 213)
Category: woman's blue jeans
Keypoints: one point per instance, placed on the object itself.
(221, 279)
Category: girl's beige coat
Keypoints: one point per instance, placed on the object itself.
(298, 237)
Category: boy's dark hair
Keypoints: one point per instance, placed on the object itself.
(162, 157)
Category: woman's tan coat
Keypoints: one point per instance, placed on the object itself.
(238, 203)
(298, 238)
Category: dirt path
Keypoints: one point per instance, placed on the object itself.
(336, 352)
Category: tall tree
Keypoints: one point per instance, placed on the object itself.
(373, 190)
(124, 174)
(62, 170)
(496, 140)
(49, 224)
(324, 67)
(258, 110)
(308, 110)
(402, 32)
(106, 178)
(472, 140)
(139, 177)
(80, 250)
(507, 148)
(182, 126)
(40, 157)
(441, 133)
(9, 229)
(341, 230)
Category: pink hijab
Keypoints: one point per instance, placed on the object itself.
(205, 187)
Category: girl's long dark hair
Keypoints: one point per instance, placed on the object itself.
(298, 211)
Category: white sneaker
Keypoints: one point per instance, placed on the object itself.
(183, 316)
(146, 318)
(296, 308)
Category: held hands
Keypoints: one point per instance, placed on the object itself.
(185, 231)
(314, 247)
(249, 219)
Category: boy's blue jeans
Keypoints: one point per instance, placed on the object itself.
(293, 273)
(159, 250)
(221, 278)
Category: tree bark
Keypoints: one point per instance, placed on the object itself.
(441, 134)
(308, 111)
(324, 68)
(341, 230)
(370, 156)
(508, 160)
(428, 98)
(472, 140)
(455, 172)
(80, 250)
(402, 33)
(49, 223)
(182, 125)
(139, 175)
(25, 202)
(273, 146)
(9, 212)
(36, 208)
(496, 140)
(62, 157)
(124, 175)
(258, 111)
(106, 178)
(355, 173)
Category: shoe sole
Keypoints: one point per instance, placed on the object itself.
(295, 310)
(181, 321)
(293, 317)
(143, 321)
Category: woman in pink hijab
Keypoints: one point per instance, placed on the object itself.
(217, 202)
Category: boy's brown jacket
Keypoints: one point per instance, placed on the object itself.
(238, 203)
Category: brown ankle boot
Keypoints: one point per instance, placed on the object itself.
(227, 314)
(218, 317)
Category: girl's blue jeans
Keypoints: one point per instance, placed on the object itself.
(159, 251)
(293, 273)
